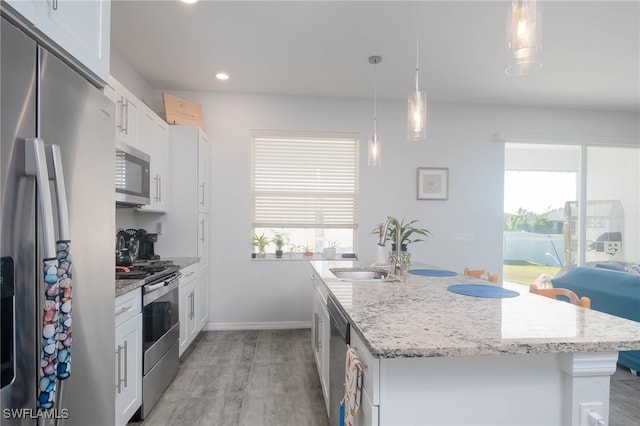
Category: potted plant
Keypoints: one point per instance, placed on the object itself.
(307, 251)
(329, 252)
(408, 234)
(279, 240)
(260, 242)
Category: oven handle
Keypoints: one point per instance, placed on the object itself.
(154, 287)
(159, 289)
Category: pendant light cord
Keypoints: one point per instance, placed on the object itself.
(375, 97)
(417, 42)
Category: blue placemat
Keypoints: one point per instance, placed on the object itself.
(482, 290)
(432, 272)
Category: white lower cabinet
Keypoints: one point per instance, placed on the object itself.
(370, 405)
(320, 336)
(188, 294)
(128, 356)
(203, 297)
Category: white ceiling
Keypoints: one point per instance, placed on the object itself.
(591, 49)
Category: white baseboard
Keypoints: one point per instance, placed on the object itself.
(281, 325)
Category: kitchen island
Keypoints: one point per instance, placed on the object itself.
(435, 357)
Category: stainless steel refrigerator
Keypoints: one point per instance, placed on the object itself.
(57, 134)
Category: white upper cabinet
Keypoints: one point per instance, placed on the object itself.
(154, 135)
(128, 118)
(80, 28)
(203, 173)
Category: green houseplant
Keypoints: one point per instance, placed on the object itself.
(409, 233)
(279, 240)
(260, 241)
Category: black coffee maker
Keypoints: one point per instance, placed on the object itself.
(145, 248)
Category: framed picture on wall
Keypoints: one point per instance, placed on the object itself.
(433, 183)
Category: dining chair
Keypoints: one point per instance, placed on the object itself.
(553, 293)
(481, 273)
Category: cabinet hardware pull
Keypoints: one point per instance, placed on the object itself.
(159, 188)
(126, 363)
(119, 369)
(120, 111)
(126, 116)
(202, 186)
(123, 310)
(55, 5)
(202, 223)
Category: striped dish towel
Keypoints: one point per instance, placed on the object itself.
(352, 386)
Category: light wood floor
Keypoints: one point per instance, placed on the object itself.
(268, 377)
(243, 378)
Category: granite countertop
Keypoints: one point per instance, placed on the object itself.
(419, 317)
(125, 286)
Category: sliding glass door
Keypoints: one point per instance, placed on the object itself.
(568, 205)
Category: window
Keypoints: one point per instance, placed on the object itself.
(305, 186)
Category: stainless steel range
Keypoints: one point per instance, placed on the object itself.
(160, 328)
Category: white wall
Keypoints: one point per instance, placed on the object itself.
(460, 137)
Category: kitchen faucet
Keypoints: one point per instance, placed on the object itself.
(395, 258)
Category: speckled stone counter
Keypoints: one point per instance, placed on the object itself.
(182, 262)
(125, 286)
(419, 317)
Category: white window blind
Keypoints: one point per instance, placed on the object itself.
(304, 181)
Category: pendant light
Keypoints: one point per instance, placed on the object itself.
(523, 38)
(417, 103)
(375, 151)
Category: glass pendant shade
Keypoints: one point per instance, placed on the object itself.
(523, 38)
(417, 116)
(375, 151)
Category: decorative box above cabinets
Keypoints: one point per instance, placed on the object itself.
(77, 30)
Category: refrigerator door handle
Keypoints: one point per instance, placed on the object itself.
(56, 174)
(63, 249)
(36, 165)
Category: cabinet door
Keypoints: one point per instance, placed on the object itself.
(82, 28)
(154, 138)
(203, 240)
(187, 314)
(203, 298)
(324, 338)
(203, 173)
(128, 356)
(127, 120)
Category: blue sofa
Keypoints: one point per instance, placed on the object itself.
(612, 291)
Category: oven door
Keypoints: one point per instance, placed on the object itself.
(160, 329)
(131, 175)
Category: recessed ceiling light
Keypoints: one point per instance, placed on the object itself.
(189, 1)
(222, 76)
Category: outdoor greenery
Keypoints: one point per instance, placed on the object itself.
(525, 220)
(527, 273)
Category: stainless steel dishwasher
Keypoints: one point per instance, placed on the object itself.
(340, 338)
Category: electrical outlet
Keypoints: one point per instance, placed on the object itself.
(591, 414)
(159, 228)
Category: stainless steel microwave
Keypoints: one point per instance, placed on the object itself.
(131, 176)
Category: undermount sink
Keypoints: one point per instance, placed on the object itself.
(361, 274)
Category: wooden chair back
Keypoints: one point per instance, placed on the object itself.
(553, 293)
(481, 273)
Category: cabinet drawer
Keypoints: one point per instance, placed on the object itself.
(128, 306)
(188, 274)
(368, 412)
(371, 367)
